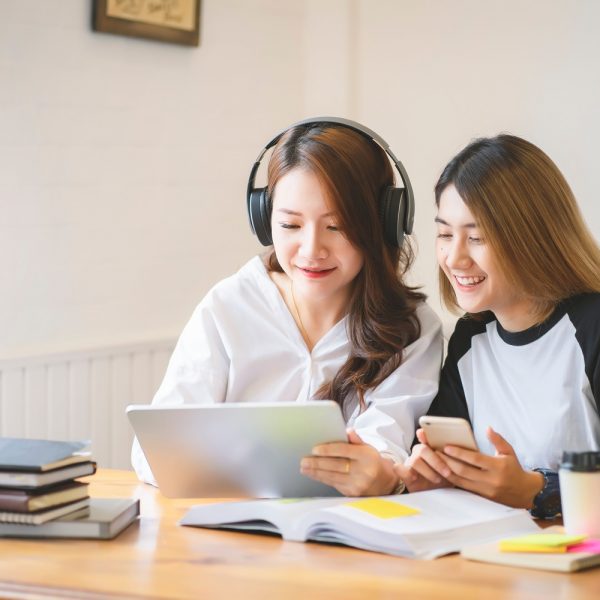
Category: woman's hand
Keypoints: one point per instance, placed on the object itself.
(500, 477)
(424, 469)
(353, 468)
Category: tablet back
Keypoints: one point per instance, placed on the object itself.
(236, 449)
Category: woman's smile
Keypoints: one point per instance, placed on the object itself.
(468, 282)
(315, 273)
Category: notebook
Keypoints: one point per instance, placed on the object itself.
(22, 454)
(104, 518)
(587, 555)
(21, 480)
(29, 500)
(41, 516)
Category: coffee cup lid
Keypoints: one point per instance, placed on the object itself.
(581, 461)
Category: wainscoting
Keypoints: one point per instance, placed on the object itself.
(82, 395)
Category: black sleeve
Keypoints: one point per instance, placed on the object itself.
(450, 400)
(584, 312)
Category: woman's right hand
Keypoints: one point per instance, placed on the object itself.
(424, 469)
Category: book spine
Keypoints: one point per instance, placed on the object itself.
(14, 503)
(17, 479)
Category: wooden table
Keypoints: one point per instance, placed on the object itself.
(155, 558)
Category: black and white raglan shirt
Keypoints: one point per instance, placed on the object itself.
(538, 388)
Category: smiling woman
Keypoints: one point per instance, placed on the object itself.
(318, 260)
(470, 266)
(514, 254)
(325, 313)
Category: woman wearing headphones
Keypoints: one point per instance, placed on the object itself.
(523, 364)
(324, 314)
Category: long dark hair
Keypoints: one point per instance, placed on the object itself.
(528, 216)
(382, 317)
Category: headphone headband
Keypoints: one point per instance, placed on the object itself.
(408, 214)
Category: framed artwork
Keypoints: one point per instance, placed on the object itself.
(176, 21)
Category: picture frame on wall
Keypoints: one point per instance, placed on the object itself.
(175, 21)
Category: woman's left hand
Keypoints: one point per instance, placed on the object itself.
(353, 468)
(500, 478)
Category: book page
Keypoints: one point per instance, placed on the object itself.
(281, 515)
(425, 524)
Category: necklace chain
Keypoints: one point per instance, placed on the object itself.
(302, 328)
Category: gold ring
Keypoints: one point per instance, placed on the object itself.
(347, 470)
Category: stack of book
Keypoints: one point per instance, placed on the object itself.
(40, 496)
(38, 480)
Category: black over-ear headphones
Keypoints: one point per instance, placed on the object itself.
(397, 205)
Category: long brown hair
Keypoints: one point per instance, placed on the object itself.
(529, 217)
(382, 321)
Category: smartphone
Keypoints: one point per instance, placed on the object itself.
(448, 431)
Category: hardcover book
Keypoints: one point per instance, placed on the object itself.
(41, 498)
(41, 516)
(26, 480)
(104, 518)
(21, 454)
(418, 525)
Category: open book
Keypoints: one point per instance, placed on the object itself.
(419, 525)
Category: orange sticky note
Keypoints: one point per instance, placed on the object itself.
(383, 509)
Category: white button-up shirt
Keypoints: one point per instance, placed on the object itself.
(243, 345)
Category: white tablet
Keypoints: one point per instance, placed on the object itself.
(236, 450)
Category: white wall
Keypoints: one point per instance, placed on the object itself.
(430, 75)
(123, 162)
(123, 165)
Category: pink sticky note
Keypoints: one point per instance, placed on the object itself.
(589, 545)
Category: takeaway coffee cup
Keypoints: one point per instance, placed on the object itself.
(579, 477)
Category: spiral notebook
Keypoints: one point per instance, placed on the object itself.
(42, 516)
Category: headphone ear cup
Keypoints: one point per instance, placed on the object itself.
(392, 210)
(259, 211)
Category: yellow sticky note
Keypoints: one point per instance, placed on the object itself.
(546, 539)
(540, 542)
(383, 509)
(508, 547)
